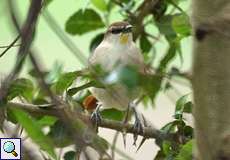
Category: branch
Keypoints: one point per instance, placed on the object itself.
(12, 44)
(142, 11)
(16, 45)
(48, 109)
(26, 35)
(119, 3)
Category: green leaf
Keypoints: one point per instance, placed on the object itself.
(96, 41)
(171, 53)
(181, 103)
(127, 1)
(60, 134)
(82, 22)
(186, 151)
(127, 5)
(188, 107)
(71, 155)
(188, 131)
(55, 73)
(145, 44)
(33, 73)
(64, 81)
(151, 85)
(169, 127)
(181, 25)
(126, 75)
(21, 87)
(160, 155)
(175, 4)
(112, 114)
(166, 147)
(103, 143)
(34, 131)
(47, 121)
(10, 116)
(100, 4)
(165, 26)
(73, 91)
(46, 2)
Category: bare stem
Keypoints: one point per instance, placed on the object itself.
(12, 44)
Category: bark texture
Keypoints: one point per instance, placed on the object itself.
(211, 78)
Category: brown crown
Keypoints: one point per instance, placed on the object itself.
(117, 25)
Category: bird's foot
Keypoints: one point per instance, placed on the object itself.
(138, 125)
(96, 117)
(138, 128)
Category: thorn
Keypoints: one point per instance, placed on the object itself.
(125, 121)
(124, 138)
(142, 142)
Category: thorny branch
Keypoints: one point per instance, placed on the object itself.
(48, 109)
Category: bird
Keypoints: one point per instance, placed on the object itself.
(116, 50)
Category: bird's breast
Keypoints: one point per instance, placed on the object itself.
(115, 56)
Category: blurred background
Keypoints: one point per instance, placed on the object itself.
(53, 53)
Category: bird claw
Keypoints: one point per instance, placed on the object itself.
(138, 129)
(124, 133)
(142, 142)
(125, 122)
(96, 118)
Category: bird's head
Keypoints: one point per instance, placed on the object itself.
(119, 32)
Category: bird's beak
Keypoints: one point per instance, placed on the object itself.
(129, 27)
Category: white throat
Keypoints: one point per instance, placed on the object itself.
(115, 51)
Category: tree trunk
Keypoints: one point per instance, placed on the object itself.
(211, 78)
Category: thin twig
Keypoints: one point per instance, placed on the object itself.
(26, 34)
(156, 38)
(113, 146)
(86, 154)
(141, 12)
(119, 3)
(12, 44)
(41, 80)
(16, 45)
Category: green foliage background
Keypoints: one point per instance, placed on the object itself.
(84, 21)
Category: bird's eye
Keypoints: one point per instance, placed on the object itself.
(116, 30)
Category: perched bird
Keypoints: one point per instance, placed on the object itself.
(117, 49)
